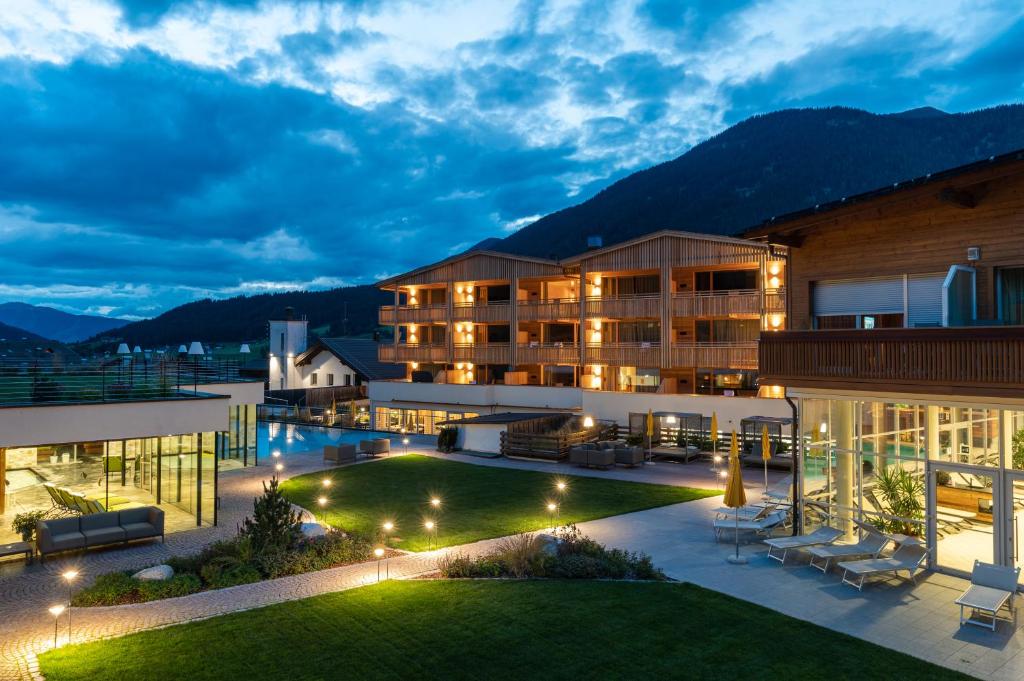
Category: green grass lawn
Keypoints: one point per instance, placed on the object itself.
(477, 502)
(494, 630)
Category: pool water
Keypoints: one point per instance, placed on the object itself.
(289, 438)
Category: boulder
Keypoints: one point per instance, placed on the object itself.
(313, 530)
(157, 573)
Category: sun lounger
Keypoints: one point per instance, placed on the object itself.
(820, 537)
(760, 526)
(750, 512)
(992, 587)
(908, 556)
(871, 544)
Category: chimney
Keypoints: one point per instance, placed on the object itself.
(289, 313)
(594, 241)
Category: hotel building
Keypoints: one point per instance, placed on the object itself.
(649, 323)
(905, 353)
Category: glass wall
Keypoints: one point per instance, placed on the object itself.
(240, 446)
(422, 421)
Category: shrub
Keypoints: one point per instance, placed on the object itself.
(446, 439)
(117, 588)
(275, 526)
(522, 554)
(25, 523)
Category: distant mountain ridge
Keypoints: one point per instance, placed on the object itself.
(773, 164)
(55, 324)
(10, 333)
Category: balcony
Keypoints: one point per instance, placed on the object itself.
(951, 361)
(548, 353)
(647, 355)
(481, 353)
(412, 353)
(715, 355)
(549, 310)
(646, 306)
(389, 315)
(481, 313)
(717, 303)
(775, 301)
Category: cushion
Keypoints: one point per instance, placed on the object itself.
(62, 525)
(104, 535)
(66, 540)
(96, 521)
(133, 515)
(139, 530)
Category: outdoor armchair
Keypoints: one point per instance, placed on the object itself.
(992, 587)
(908, 556)
(823, 536)
(870, 545)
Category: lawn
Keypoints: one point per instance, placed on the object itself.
(494, 630)
(477, 502)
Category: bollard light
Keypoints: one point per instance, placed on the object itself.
(56, 611)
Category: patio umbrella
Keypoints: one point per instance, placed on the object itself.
(334, 410)
(735, 495)
(353, 406)
(766, 454)
(650, 431)
(714, 440)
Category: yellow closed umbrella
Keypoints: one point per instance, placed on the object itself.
(714, 442)
(334, 410)
(735, 495)
(650, 431)
(766, 454)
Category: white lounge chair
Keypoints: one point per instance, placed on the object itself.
(749, 512)
(762, 526)
(822, 536)
(992, 587)
(870, 544)
(908, 556)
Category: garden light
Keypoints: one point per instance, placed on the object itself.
(388, 526)
(560, 485)
(279, 467)
(56, 610)
(327, 482)
(69, 576)
(435, 502)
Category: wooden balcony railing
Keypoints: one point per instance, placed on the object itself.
(961, 361)
(716, 303)
(647, 355)
(549, 310)
(625, 307)
(480, 353)
(412, 353)
(388, 315)
(548, 353)
(482, 312)
(775, 301)
(715, 355)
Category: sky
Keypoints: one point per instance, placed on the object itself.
(154, 152)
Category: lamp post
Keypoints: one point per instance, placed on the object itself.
(431, 534)
(552, 510)
(379, 553)
(69, 577)
(196, 351)
(435, 502)
(322, 501)
(405, 443)
(56, 611)
(387, 526)
(123, 354)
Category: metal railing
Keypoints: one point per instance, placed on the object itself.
(33, 382)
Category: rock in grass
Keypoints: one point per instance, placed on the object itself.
(157, 573)
(313, 530)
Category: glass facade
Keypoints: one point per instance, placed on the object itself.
(422, 421)
(941, 473)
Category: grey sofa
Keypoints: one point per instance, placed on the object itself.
(375, 447)
(628, 455)
(98, 529)
(592, 455)
(340, 453)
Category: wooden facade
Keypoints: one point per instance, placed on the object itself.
(657, 287)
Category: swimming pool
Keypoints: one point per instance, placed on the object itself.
(289, 438)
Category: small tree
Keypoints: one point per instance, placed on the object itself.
(1018, 450)
(274, 527)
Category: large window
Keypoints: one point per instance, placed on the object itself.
(727, 330)
(726, 280)
(1011, 295)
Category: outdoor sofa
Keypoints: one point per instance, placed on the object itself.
(592, 455)
(340, 453)
(375, 447)
(992, 587)
(98, 529)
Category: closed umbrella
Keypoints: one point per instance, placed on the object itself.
(650, 431)
(714, 442)
(766, 454)
(353, 407)
(735, 495)
(334, 410)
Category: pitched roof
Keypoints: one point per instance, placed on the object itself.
(461, 256)
(656, 235)
(358, 353)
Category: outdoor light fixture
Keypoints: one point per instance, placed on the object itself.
(405, 443)
(122, 349)
(196, 351)
(429, 524)
(276, 453)
(774, 268)
(588, 422)
(435, 502)
(279, 467)
(775, 320)
(326, 482)
(56, 610)
(414, 365)
(671, 419)
(552, 507)
(560, 485)
(774, 282)
(388, 526)
(823, 429)
(69, 576)
(244, 349)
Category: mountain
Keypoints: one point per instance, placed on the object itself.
(773, 164)
(345, 311)
(54, 324)
(10, 333)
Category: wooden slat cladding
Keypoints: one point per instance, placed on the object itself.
(491, 353)
(975, 361)
(491, 312)
(625, 307)
(412, 314)
(549, 310)
(548, 353)
(711, 304)
(917, 234)
(479, 267)
(412, 353)
(715, 355)
(680, 251)
(644, 355)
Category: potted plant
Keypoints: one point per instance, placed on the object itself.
(25, 524)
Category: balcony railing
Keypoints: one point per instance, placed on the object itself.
(646, 355)
(389, 315)
(482, 353)
(716, 303)
(412, 353)
(715, 355)
(548, 353)
(775, 301)
(647, 305)
(549, 310)
(498, 311)
(974, 361)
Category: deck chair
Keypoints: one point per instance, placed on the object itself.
(80, 502)
(823, 536)
(908, 556)
(749, 512)
(870, 545)
(68, 498)
(992, 587)
(58, 503)
(762, 526)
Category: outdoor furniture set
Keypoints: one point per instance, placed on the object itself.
(346, 453)
(98, 529)
(605, 454)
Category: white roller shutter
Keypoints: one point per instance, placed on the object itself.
(924, 297)
(883, 295)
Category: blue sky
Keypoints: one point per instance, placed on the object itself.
(155, 152)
